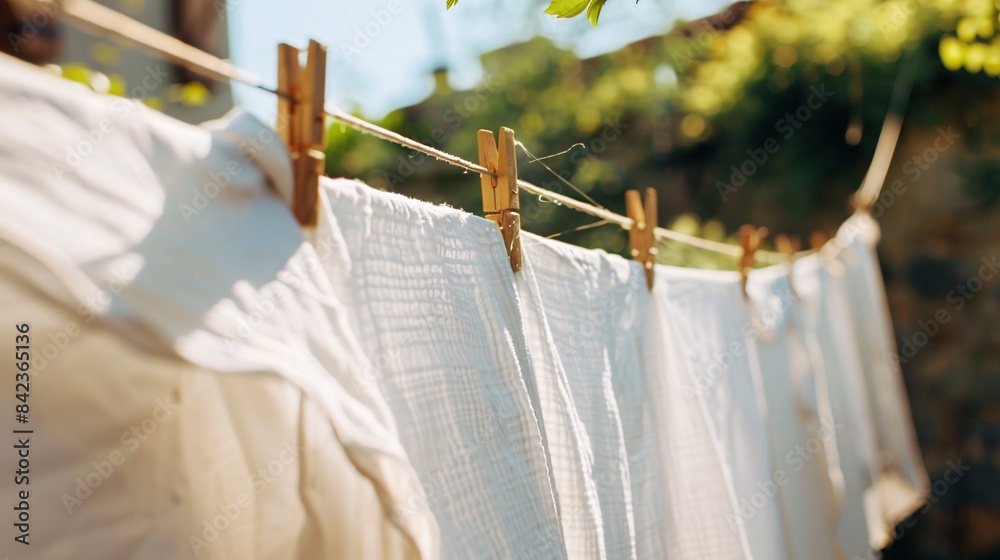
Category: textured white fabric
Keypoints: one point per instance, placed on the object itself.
(708, 315)
(587, 300)
(187, 278)
(685, 498)
(803, 433)
(576, 465)
(820, 287)
(167, 233)
(902, 480)
(434, 304)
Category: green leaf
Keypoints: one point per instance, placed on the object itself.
(594, 11)
(566, 8)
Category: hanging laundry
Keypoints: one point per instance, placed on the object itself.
(820, 288)
(576, 467)
(706, 311)
(579, 307)
(215, 383)
(803, 432)
(902, 483)
(434, 305)
(684, 488)
(204, 356)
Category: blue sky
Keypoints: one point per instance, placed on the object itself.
(382, 52)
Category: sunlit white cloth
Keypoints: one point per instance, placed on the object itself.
(684, 489)
(139, 454)
(186, 280)
(576, 467)
(587, 301)
(902, 482)
(434, 304)
(804, 433)
(820, 287)
(707, 313)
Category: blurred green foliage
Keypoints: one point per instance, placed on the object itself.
(191, 94)
(769, 118)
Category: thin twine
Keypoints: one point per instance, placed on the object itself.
(591, 225)
(566, 151)
(556, 175)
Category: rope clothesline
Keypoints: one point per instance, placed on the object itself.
(871, 185)
(95, 18)
(596, 211)
(375, 130)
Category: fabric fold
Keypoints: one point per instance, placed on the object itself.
(807, 478)
(707, 313)
(901, 485)
(819, 285)
(579, 303)
(168, 235)
(688, 485)
(575, 467)
(434, 304)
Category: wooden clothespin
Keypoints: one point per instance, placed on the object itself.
(302, 123)
(788, 247)
(817, 240)
(641, 237)
(500, 200)
(750, 241)
(824, 243)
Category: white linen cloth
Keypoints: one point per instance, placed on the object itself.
(659, 479)
(166, 235)
(140, 454)
(820, 288)
(902, 483)
(433, 301)
(586, 302)
(576, 467)
(803, 432)
(707, 313)
(684, 490)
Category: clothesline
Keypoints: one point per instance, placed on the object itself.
(499, 425)
(103, 21)
(93, 17)
(871, 185)
(596, 211)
